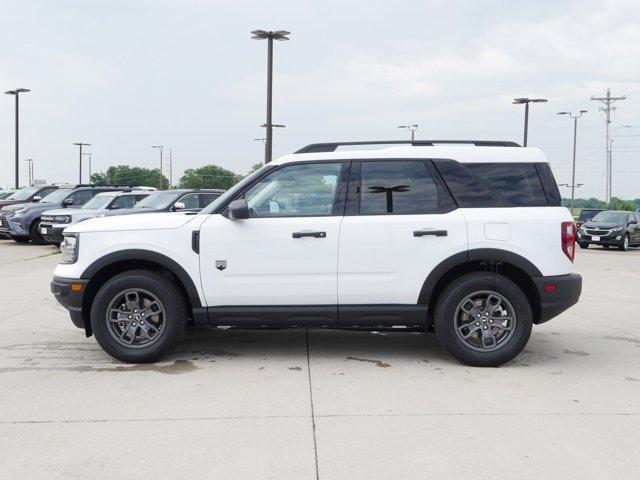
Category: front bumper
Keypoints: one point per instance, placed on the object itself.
(51, 233)
(69, 293)
(555, 300)
(12, 226)
(613, 238)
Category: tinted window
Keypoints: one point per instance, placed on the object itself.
(493, 184)
(207, 198)
(46, 191)
(397, 187)
(295, 190)
(549, 184)
(123, 201)
(81, 197)
(191, 201)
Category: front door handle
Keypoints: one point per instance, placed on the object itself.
(435, 233)
(309, 234)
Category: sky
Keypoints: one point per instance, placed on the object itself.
(125, 75)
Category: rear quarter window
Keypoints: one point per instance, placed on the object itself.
(481, 185)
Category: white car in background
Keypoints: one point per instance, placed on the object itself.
(53, 222)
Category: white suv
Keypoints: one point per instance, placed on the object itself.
(469, 240)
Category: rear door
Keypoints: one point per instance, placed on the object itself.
(400, 223)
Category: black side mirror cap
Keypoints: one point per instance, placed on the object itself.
(238, 209)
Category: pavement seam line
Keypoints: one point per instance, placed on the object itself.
(313, 416)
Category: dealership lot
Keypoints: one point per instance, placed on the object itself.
(244, 404)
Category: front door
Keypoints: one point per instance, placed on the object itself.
(400, 223)
(279, 265)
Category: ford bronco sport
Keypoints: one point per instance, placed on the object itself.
(467, 239)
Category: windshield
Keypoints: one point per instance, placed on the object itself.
(99, 201)
(158, 200)
(4, 195)
(610, 217)
(588, 214)
(57, 196)
(23, 193)
(213, 206)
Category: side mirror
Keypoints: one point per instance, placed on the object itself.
(37, 198)
(633, 222)
(114, 207)
(238, 209)
(179, 206)
(67, 201)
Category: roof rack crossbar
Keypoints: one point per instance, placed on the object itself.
(332, 146)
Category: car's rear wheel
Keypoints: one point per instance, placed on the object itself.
(583, 245)
(34, 234)
(483, 319)
(624, 245)
(138, 316)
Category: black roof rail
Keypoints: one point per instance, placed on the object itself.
(332, 146)
(93, 185)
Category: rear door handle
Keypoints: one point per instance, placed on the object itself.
(435, 233)
(309, 234)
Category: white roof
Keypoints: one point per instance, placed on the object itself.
(460, 153)
(115, 193)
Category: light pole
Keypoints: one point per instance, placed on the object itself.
(411, 128)
(527, 101)
(280, 35)
(88, 154)
(17, 93)
(575, 117)
(80, 145)
(611, 139)
(159, 147)
(30, 170)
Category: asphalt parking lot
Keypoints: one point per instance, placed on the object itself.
(320, 404)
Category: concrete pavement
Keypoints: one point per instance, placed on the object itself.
(320, 404)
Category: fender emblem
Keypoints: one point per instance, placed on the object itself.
(221, 264)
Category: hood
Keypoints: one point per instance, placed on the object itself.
(131, 211)
(149, 221)
(15, 206)
(601, 225)
(42, 207)
(4, 203)
(67, 211)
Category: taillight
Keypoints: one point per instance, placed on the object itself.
(568, 239)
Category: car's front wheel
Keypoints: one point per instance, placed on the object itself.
(138, 316)
(483, 319)
(583, 245)
(624, 246)
(34, 234)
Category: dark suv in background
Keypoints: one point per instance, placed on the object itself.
(587, 214)
(611, 228)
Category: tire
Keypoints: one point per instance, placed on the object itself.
(448, 314)
(21, 239)
(624, 246)
(148, 285)
(583, 245)
(606, 247)
(34, 234)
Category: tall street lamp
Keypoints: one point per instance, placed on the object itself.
(17, 93)
(280, 35)
(527, 101)
(160, 148)
(575, 117)
(80, 145)
(411, 128)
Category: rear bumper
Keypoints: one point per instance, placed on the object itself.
(69, 293)
(566, 292)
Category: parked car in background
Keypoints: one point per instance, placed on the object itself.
(29, 194)
(53, 222)
(185, 200)
(611, 228)
(587, 214)
(20, 221)
(6, 193)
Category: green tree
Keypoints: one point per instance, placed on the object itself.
(255, 167)
(209, 176)
(619, 204)
(132, 176)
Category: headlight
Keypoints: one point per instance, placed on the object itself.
(20, 211)
(617, 229)
(62, 219)
(69, 248)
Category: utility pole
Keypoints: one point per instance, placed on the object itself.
(170, 168)
(411, 128)
(17, 93)
(280, 35)
(79, 144)
(608, 108)
(88, 154)
(575, 118)
(159, 147)
(30, 170)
